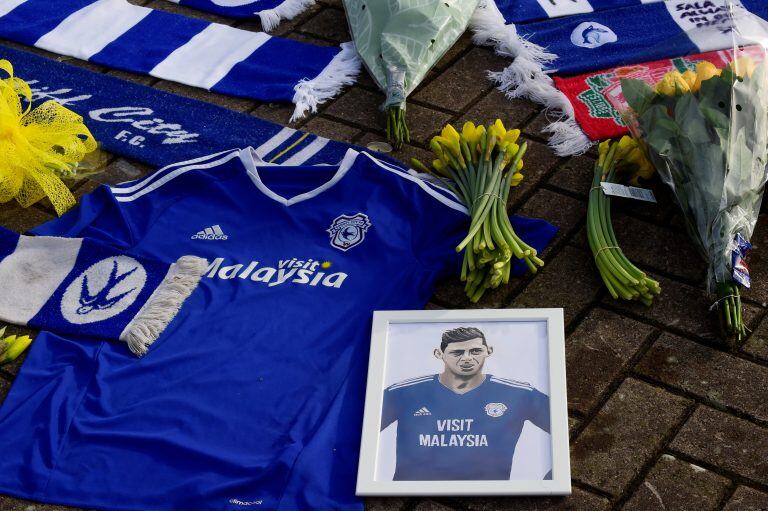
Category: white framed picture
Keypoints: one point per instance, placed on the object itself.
(466, 402)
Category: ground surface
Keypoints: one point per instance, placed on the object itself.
(663, 415)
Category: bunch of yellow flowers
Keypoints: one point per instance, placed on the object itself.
(675, 82)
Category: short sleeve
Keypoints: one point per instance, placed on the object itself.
(390, 409)
(538, 410)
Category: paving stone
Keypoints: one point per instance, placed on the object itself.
(579, 500)
(560, 210)
(361, 107)
(464, 82)
(279, 113)
(384, 504)
(659, 248)
(514, 113)
(631, 427)
(163, 5)
(430, 505)
(757, 344)
(538, 163)
(18, 219)
(328, 24)
(132, 77)
(575, 175)
(567, 281)
(674, 485)
(747, 499)
(597, 352)
(725, 441)
(722, 379)
(450, 292)
(331, 129)
(684, 308)
(5, 386)
(758, 261)
(286, 27)
(11, 504)
(231, 102)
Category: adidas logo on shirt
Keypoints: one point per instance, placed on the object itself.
(422, 412)
(210, 233)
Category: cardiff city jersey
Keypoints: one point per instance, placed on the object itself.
(442, 435)
(252, 397)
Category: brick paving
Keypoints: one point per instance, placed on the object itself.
(663, 414)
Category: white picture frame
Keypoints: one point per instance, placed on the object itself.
(393, 330)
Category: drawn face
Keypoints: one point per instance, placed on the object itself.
(465, 358)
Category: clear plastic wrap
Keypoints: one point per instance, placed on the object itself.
(706, 132)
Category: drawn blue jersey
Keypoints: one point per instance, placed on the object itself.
(252, 398)
(445, 436)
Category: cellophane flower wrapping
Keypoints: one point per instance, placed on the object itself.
(401, 40)
(705, 130)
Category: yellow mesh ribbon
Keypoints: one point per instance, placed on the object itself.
(36, 143)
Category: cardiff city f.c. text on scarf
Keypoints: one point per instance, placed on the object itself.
(187, 50)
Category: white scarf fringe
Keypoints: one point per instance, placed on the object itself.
(341, 71)
(271, 18)
(182, 278)
(525, 77)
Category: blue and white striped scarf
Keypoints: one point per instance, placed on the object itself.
(588, 35)
(187, 50)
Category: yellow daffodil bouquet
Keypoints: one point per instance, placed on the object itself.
(481, 164)
(37, 145)
(706, 132)
(12, 347)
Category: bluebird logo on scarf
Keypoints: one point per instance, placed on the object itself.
(592, 35)
(104, 290)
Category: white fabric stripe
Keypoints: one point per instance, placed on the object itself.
(214, 52)
(274, 142)
(510, 384)
(708, 27)
(308, 152)
(557, 8)
(7, 6)
(122, 188)
(440, 197)
(172, 175)
(24, 292)
(436, 187)
(86, 32)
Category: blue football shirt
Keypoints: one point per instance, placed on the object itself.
(252, 398)
(445, 436)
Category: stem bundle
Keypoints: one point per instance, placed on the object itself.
(622, 278)
(483, 166)
(397, 127)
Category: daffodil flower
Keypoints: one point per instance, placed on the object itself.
(704, 71)
(12, 346)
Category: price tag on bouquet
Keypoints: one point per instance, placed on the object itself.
(628, 192)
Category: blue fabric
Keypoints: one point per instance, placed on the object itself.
(634, 43)
(255, 391)
(8, 242)
(33, 19)
(445, 436)
(169, 31)
(269, 73)
(152, 126)
(524, 11)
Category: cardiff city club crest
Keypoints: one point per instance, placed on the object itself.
(495, 409)
(349, 231)
(104, 290)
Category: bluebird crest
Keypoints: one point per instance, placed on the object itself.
(349, 231)
(101, 300)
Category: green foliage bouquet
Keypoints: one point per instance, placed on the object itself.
(706, 133)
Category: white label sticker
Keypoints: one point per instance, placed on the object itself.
(628, 192)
